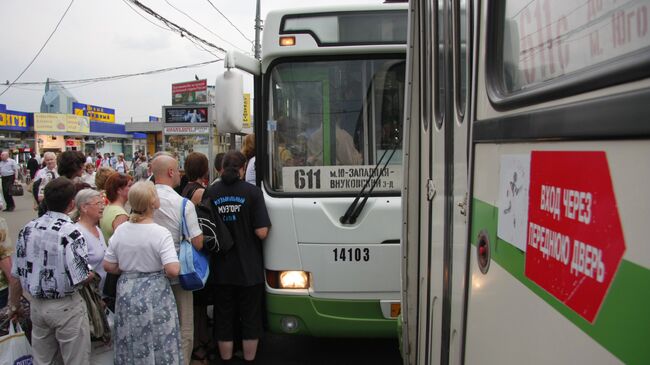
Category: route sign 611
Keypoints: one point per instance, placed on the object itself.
(312, 179)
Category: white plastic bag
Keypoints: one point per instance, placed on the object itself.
(14, 347)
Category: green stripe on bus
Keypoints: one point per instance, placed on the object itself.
(330, 317)
(327, 127)
(623, 323)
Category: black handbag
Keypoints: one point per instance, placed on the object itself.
(16, 190)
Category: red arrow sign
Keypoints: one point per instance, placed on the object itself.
(575, 241)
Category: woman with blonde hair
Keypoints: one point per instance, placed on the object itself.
(101, 175)
(143, 253)
(88, 175)
(120, 165)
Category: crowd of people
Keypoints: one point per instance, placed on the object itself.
(115, 229)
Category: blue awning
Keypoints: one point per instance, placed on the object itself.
(138, 135)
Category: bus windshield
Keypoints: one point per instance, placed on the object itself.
(339, 118)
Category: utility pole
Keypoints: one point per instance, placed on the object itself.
(258, 29)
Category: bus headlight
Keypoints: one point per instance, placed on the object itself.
(287, 279)
(294, 280)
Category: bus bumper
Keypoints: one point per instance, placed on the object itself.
(308, 316)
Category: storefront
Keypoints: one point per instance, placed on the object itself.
(152, 131)
(65, 132)
(109, 138)
(15, 133)
(139, 142)
(59, 132)
(181, 140)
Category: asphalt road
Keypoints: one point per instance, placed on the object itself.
(274, 349)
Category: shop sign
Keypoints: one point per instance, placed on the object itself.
(13, 120)
(575, 240)
(94, 113)
(60, 123)
(154, 119)
(185, 130)
(190, 92)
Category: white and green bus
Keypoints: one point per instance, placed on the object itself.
(526, 199)
(329, 102)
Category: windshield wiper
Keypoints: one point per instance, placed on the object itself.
(357, 211)
(354, 210)
(345, 219)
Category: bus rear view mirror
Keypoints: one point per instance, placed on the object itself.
(229, 102)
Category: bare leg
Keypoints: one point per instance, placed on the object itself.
(225, 349)
(250, 349)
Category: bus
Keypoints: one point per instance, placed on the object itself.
(526, 144)
(329, 101)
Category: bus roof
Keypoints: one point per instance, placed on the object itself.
(327, 30)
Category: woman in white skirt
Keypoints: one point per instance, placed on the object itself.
(146, 319)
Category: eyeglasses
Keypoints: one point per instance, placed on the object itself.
(98, 203)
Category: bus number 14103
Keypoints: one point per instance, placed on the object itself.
(351, 254)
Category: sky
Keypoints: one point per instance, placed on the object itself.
(107, 37)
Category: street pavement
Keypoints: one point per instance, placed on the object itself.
(23, 213)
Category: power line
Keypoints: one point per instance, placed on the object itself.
(40, 50)
(201, 25)
(231, 23)
(118, 77)
(199, 47)
(181, 30)
(144, 17)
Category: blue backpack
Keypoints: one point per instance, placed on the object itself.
(195, 266)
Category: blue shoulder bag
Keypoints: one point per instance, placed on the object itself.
(194, 263)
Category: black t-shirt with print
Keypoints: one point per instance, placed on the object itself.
(242, 208)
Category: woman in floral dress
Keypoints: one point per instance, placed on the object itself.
(146, 319)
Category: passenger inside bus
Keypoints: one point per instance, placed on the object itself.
(346, 153)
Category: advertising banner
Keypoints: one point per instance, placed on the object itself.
(13, 120)
(61, 123)
(77, 124)
(94, 113)
(190, 92)
(154, 119)
(186, 114)
(246, 119)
